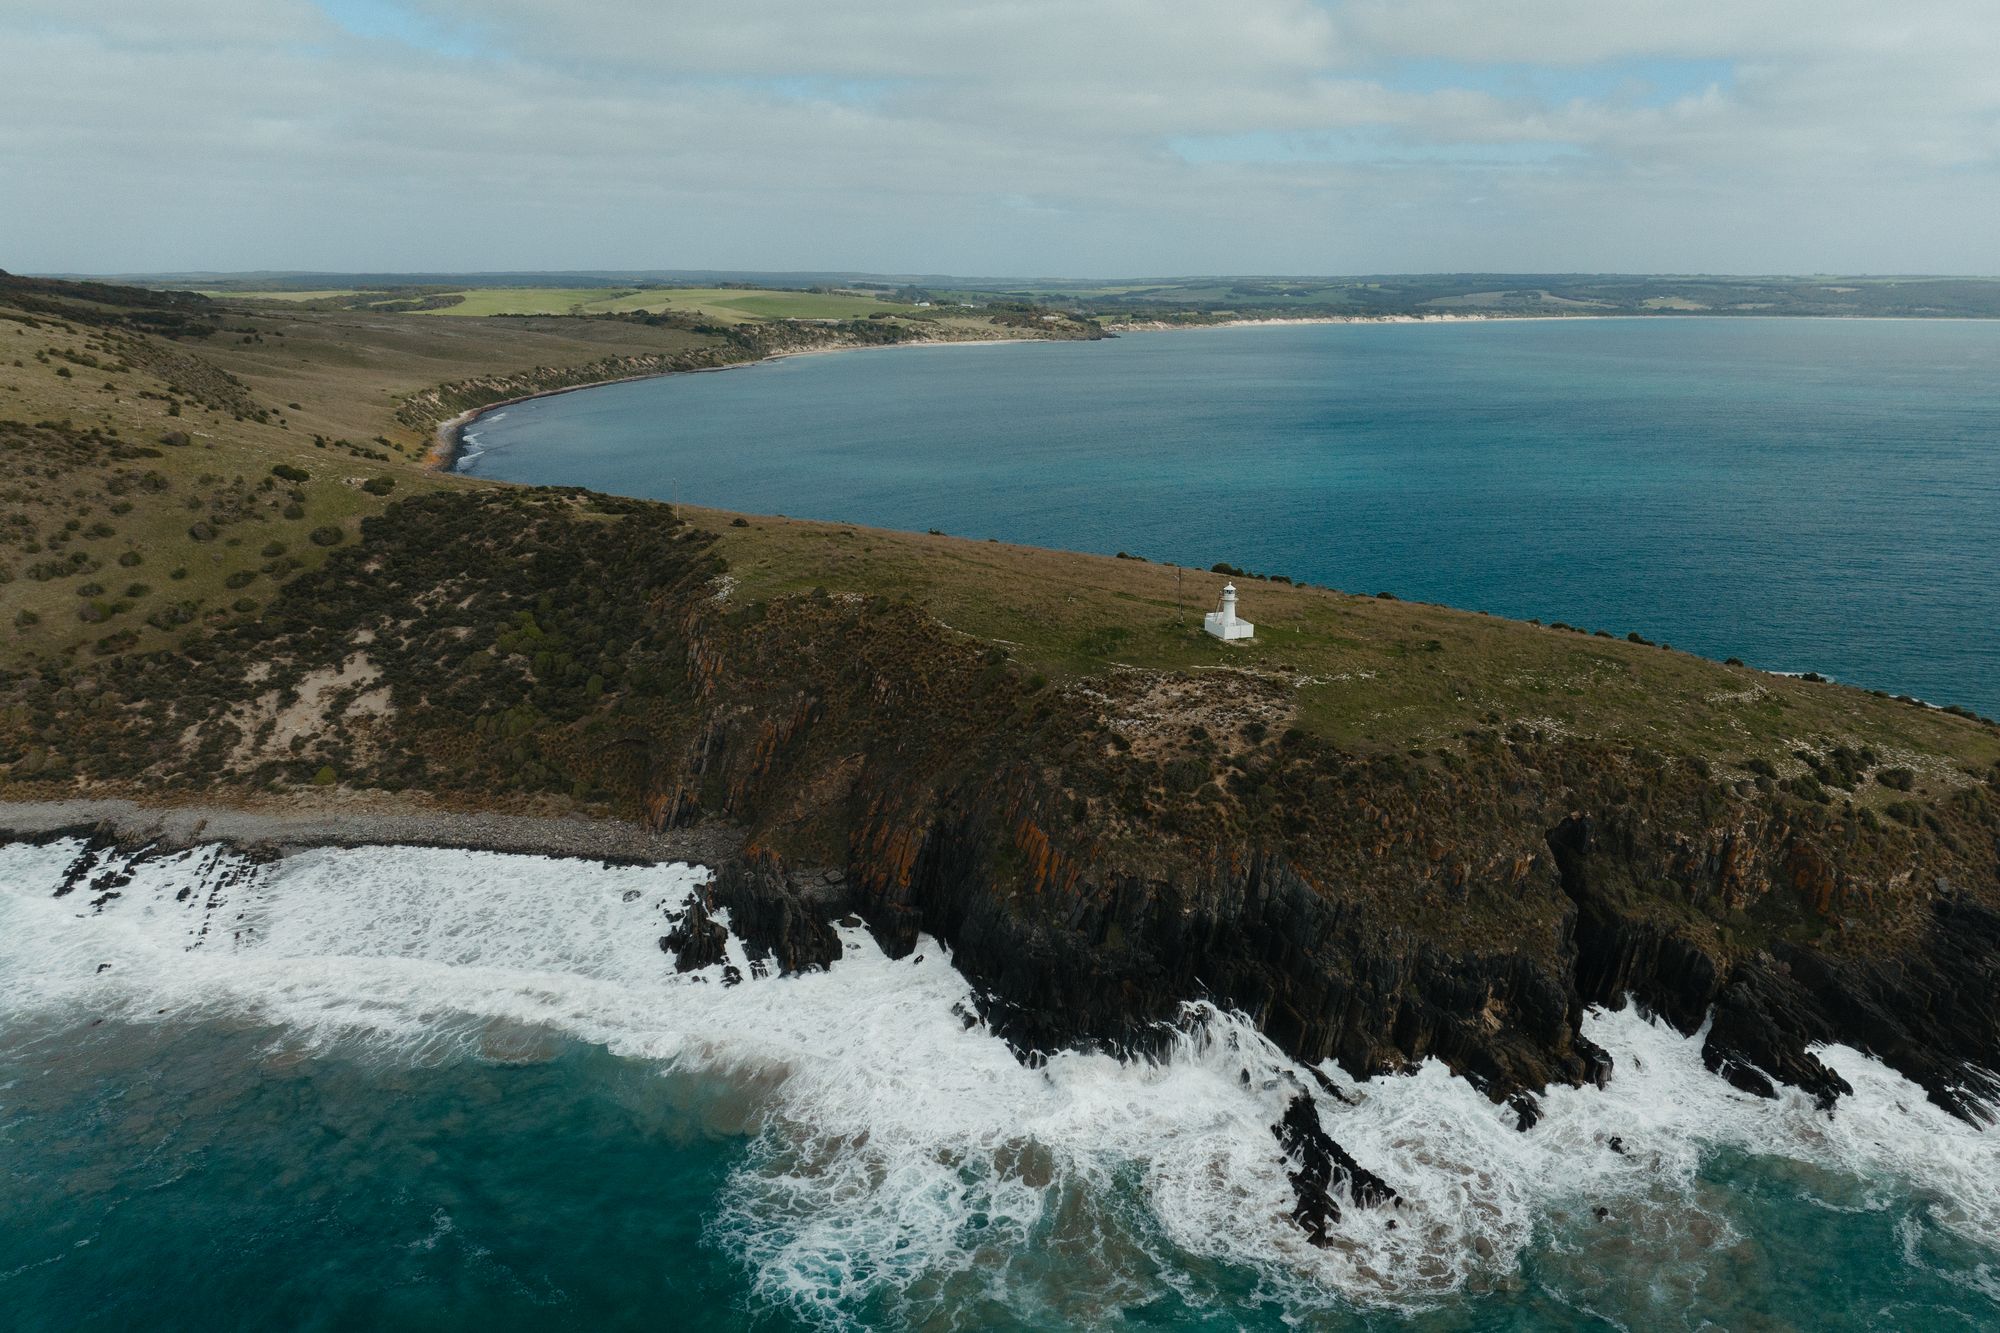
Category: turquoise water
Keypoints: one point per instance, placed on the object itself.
(406, 1089)
(210, 1175)
(1803, 494)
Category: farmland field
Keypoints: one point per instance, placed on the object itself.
(732, 305)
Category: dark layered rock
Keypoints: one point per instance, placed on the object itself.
(697, 939)
(1932, 1015)
(1108, 957)
(785, 918)
(1320, 1170)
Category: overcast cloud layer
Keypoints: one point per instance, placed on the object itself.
(1021, 137)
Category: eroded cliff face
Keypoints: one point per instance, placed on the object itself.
(1094, 854)
(1375, 910)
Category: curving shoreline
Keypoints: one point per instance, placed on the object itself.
(448, 440)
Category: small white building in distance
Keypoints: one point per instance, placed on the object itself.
(1222, 623)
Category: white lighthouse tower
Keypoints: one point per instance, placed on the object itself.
(1222, 622)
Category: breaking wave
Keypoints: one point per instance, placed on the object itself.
(902, 1165)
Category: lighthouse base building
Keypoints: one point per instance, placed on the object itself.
(1222, 622)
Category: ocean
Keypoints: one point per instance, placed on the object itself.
(1807, 495)
(418, 1089)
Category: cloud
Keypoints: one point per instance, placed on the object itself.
(992, 136)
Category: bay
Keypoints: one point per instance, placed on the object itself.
(1804, 494)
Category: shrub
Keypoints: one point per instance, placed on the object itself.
(294, 510)
(131, 559)
(173, 617)
(289, 473)
(325, 777)
(1897, 779)
(327, 534)
(379, 485)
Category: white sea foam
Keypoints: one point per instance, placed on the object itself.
(900, 1153)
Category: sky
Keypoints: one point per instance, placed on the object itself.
(1027, 138)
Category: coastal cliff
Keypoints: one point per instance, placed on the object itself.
(1374, 910)
(1091, 860)
(1387, 832)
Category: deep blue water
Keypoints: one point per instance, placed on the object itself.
(1803, 494)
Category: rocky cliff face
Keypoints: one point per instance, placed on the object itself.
(1371, 910)
(1093, 856)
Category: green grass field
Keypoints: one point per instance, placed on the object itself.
(528, 301)
(325, 295)
(730, 305)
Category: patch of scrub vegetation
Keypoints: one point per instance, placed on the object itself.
(187, 436)
(495, 641)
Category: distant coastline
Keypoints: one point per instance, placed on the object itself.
(447, 447)
(448, 441)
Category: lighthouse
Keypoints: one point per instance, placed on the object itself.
(1222, 622)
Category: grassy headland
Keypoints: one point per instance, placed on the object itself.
(169, 485)
(1387, 830)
